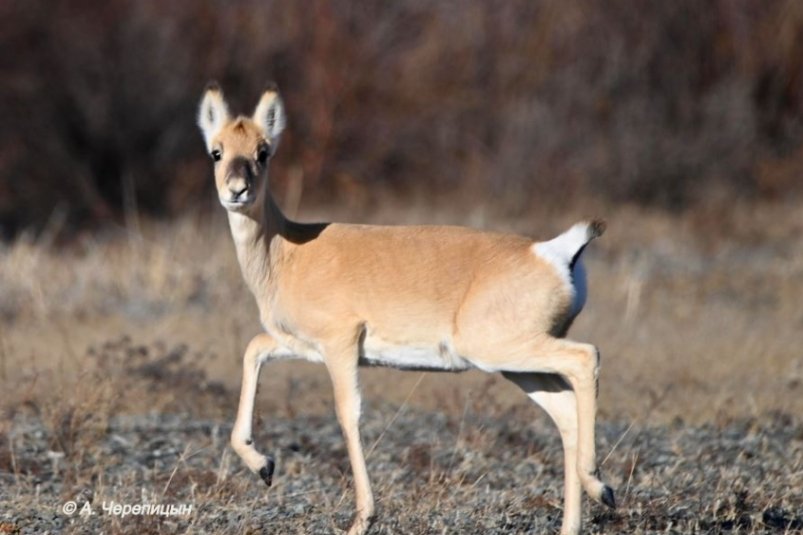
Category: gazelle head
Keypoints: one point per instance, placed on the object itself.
(242, 146)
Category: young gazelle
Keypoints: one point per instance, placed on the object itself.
(417, 297)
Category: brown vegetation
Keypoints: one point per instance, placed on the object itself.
(527, 103)
(688, 328)
(700, 393)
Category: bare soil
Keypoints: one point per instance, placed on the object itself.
(120, 363)
(432, 474)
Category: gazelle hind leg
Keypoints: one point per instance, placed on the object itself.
(557, 398)
(259, 349)
(585, 383)
(578, 365)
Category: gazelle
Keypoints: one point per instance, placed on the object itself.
(413, 297)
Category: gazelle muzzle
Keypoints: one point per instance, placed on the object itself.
(239, 180)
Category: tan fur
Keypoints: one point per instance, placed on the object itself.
(327, 291)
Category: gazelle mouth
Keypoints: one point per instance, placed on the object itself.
(237, 204)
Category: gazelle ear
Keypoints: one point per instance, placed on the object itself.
(269, 115)
(212, 114)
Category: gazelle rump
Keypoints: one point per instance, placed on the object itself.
(412, 297)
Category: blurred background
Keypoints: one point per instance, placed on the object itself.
(680, 123)
(521, 104)
(122, 304)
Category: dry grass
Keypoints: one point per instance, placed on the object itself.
(432, 474)
(690, 327)
(699, 321)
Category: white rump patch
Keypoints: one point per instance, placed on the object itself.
(559, 253)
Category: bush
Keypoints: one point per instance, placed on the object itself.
(521, 102)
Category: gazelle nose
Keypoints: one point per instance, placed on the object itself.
(237, 188)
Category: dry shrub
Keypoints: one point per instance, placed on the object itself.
(521, 102)
(115, 379)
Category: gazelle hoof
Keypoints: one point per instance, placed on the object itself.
(266, 472)
(360, 526)
(607, 497)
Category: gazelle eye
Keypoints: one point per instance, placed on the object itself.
(262, 155)
(215, 155)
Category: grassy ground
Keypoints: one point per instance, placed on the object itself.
(120, 360)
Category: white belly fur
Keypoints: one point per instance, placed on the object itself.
(378, 352)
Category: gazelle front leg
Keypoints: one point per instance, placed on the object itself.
(342, 366)
(258, 350)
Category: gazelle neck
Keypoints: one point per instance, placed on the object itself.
(262, 233)
(253, 233)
